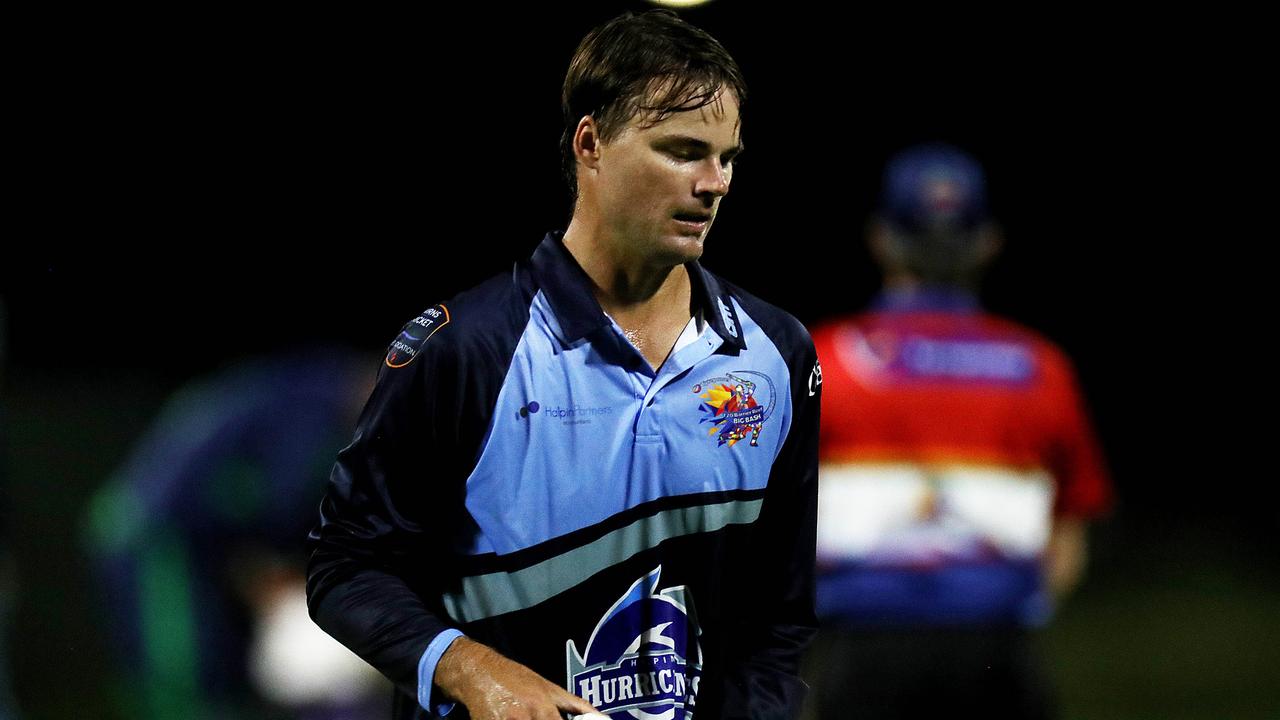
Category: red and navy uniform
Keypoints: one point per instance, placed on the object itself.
(951, 440)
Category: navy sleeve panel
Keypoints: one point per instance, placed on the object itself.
(379, 553)
(774, 628)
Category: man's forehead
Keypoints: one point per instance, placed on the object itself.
(717, 119)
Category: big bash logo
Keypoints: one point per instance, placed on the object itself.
(643, 659)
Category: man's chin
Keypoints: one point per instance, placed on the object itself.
(684, 248)
(668, 249)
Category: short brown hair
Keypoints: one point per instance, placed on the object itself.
(652, 64)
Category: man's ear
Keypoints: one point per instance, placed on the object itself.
(990, 242)
(885, 249)
(586, 142)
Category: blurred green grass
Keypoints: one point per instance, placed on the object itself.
(1179, 623)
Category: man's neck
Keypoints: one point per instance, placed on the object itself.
(632, 290)
(649, 301)
(902, 281)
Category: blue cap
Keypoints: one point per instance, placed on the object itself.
(934, 187)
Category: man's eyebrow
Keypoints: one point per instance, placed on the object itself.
(700, 144)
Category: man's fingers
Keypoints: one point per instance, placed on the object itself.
(574, 704)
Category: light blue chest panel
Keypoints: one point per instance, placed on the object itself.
(579, 436)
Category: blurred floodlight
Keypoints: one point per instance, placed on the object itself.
(679, 3)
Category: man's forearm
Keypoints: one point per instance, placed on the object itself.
(374, 613)
(1065, 556)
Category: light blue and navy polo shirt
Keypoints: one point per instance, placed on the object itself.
(523, 476)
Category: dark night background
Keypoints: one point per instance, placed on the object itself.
(215, 187)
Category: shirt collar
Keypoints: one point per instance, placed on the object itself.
(926, 298)
(568, 290)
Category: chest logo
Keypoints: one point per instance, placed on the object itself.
(736, 405)
(643, 659)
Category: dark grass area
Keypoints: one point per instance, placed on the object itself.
(65, 435)
(1180, 623)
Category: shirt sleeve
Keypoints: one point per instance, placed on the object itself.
(779, 623)
(1076, 460)
(375, 553)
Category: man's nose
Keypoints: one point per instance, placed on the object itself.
(713, 179)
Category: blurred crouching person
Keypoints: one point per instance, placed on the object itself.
(197, 542)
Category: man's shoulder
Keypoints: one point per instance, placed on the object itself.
(1048, 353)
(784, 329)
(470, 322)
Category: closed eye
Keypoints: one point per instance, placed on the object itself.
(687, 149)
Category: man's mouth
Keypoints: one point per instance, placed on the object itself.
(693, 217)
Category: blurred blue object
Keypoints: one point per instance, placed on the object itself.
(201, 531)
(934, 187)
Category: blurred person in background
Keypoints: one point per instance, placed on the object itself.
(198, 541)
(958, 473)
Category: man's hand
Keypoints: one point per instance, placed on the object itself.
(493, 687)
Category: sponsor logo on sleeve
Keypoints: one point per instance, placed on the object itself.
(643, 661)
(815, 378)
(415, 333)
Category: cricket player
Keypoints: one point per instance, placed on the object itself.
(589, 485)
(959, 471)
